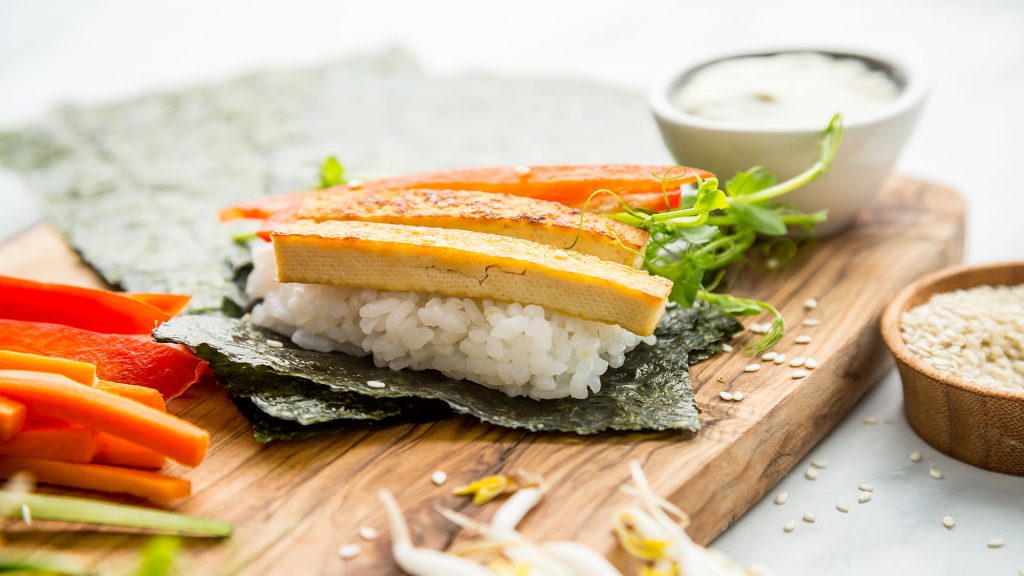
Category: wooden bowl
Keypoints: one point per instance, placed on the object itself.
(975, 424)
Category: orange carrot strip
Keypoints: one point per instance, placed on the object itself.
(170, 304)
(59, 397)
(640, 186)
(64, 443)
(121, 452)
(12, 416)
(149, 485)
(77, 371)
(140, 394)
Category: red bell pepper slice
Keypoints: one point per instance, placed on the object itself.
(170, 304)
(86, 308)
(639, 186)
(127, 359)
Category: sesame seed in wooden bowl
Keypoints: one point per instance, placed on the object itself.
(979, 424)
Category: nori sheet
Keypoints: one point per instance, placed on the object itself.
(650, 392)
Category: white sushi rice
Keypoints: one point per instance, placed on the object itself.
(520, 350)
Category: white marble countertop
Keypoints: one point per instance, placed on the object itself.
(54, 51)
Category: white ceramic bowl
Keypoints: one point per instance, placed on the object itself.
(871, 142)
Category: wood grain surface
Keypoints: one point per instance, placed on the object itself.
(294, 503)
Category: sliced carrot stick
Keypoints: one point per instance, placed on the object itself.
(59, 397)
(140, 394)
(63, 443)
(12, 416)
(77, 371)
(121, 358)
(149, 485)
(640, 186)
(97, 310)
(121, 452)
(171, 304)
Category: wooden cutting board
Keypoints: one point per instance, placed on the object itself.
(294, 503)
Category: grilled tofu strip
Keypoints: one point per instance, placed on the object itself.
(539, 221)
(468, 264)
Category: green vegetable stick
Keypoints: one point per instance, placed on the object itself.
(67, 509)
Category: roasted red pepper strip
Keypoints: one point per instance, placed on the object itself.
(86, 308)
(127, 359)
(640, 186)
(170, 304)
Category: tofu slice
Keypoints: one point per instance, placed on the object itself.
(469, 264)
(539, 221)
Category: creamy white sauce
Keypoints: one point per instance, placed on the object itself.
(785, 89)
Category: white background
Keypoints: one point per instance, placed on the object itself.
(969, 138)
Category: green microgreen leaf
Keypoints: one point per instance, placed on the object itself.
(753, 180)
(698, 234)
(759, 218)
(332, 173)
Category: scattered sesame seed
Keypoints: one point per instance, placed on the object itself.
(948, 522)
(810, 303)
(726, 348)
(354, 183)
(789, 526)
(935, 473)
(375, 384)
(797, 362)
(915, 456)
(780, 359)
(871, 420)
(842, 507)
(752, 368)
(803, 339)
(26, 515)
(819, 463)
(865, 487)
(720, 379)
(439, 477)
(812, 322)
(810, 363)
(996, 543)
(781, 498)
(349, 551)
(811, 474)
(769, 356)
(760, 328)
(809, 518)
(275, 344)
(368, 533)
(737, 396)
(798, 374)
(864, 497)
(725, 395)
(522, 170)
